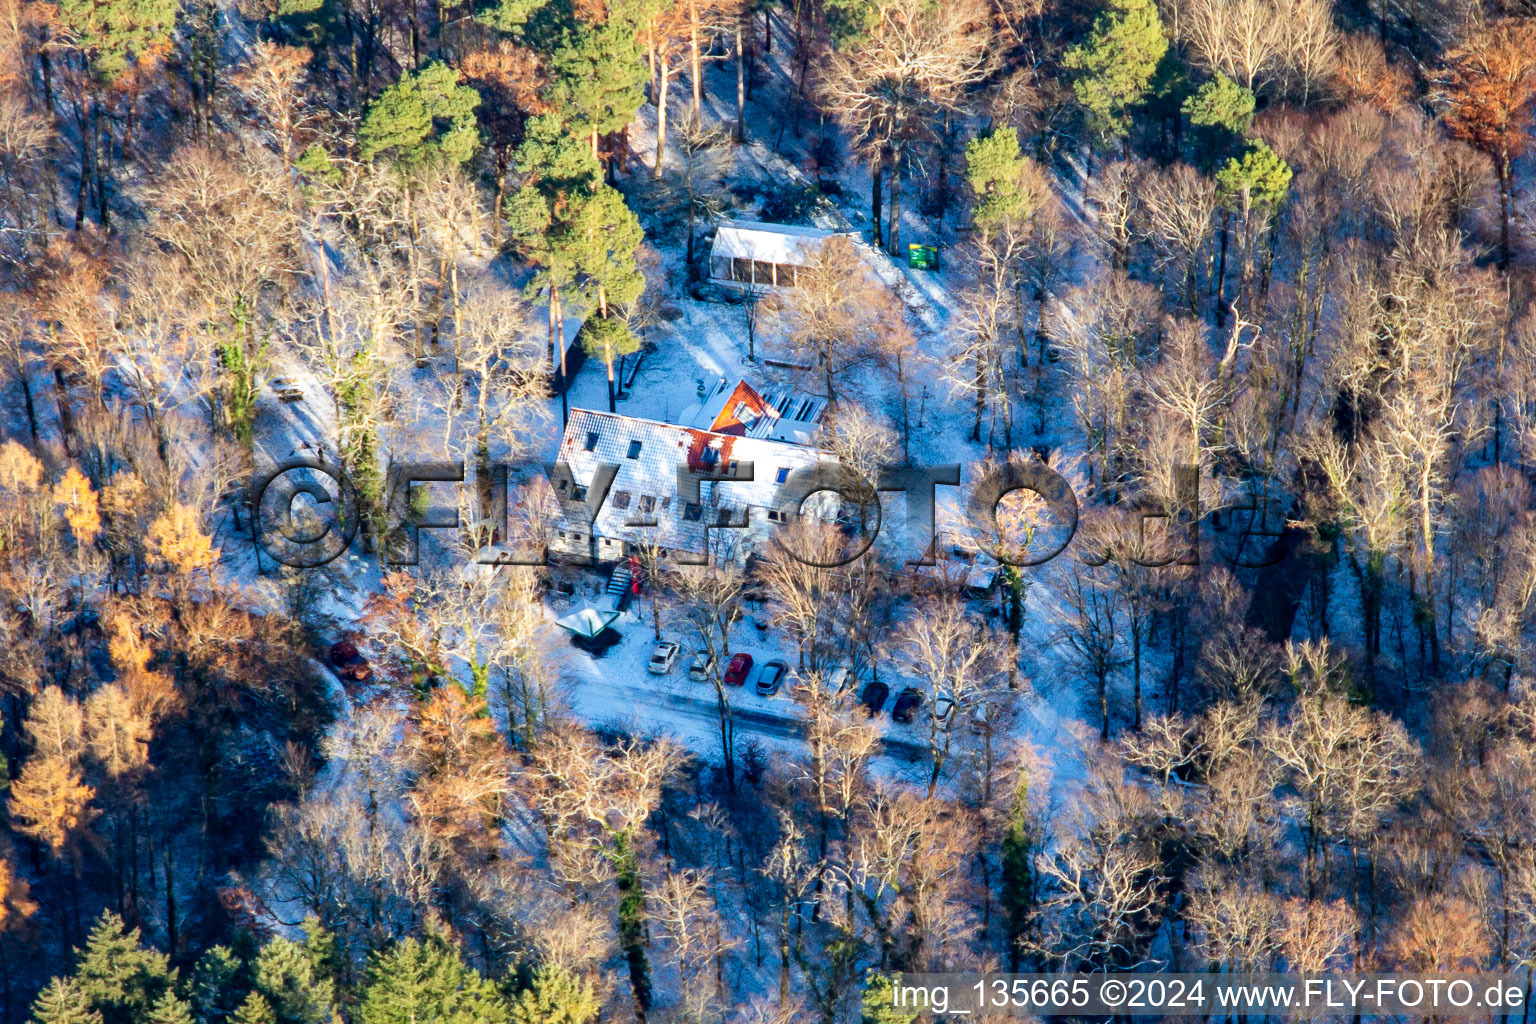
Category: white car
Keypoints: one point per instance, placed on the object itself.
(703, 667)
(943, 708)
(664, 657)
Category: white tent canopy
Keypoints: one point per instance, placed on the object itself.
(750, 252)
(588, 622)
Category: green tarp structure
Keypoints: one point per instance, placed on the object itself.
(922, 257)
(588, 622)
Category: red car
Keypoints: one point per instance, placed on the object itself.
(736, 671)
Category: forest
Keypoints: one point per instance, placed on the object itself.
(1254, 277)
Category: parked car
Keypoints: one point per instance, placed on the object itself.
(771, 677)
(702, 668)
(873, 697)
(736, 671)
(348, 662)
(943, 709)
(907, 703)
(664, 657)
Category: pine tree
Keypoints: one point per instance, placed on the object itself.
(427, 981)
(323, 950)
(293, 984)
(999, 176)
(597, 73)
(1018, 884)
(632, 933)
(556, 996)
(116, 34)
(1220, 112)
(849, 22)
(1251, 188)
(62, 1002)
(879, 1002)
(582, 236)
(1256, 181)
(1115, 65)
(170, 1010)
(509, 15)
(255, 1010)
(214, 989)
(608, 339)
(403, 124)
(605, 235)
(118, 975)
(556, 161)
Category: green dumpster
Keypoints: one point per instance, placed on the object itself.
(922, 257)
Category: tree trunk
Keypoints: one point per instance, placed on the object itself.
(1221, 271)
(741, 83)
(1103, 709)
(896, 172)
(663, 73)
(695, 65)
(554, 298)
(1506, 201)
(876, 166)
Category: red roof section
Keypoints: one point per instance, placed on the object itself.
(728, 422)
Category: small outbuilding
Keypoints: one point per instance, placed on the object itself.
(750, 254)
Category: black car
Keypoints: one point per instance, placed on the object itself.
(873, 697)
(907, 703)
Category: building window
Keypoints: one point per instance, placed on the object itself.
(773, 515)
(607, 542)
(647, 504)
(621, 499)
(692, 512)
(741, 269)
(666, 502)
(634, 450)
(591, 441)
(723, 518)
(782, 475)
(578, 493)
(562, 535)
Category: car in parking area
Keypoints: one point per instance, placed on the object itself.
(873, 697)
(736, 671)
(702, 668)
(664, 657)
(771, 677)
(942, 711)
(907, 703)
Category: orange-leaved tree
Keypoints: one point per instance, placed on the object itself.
(1491, 82)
